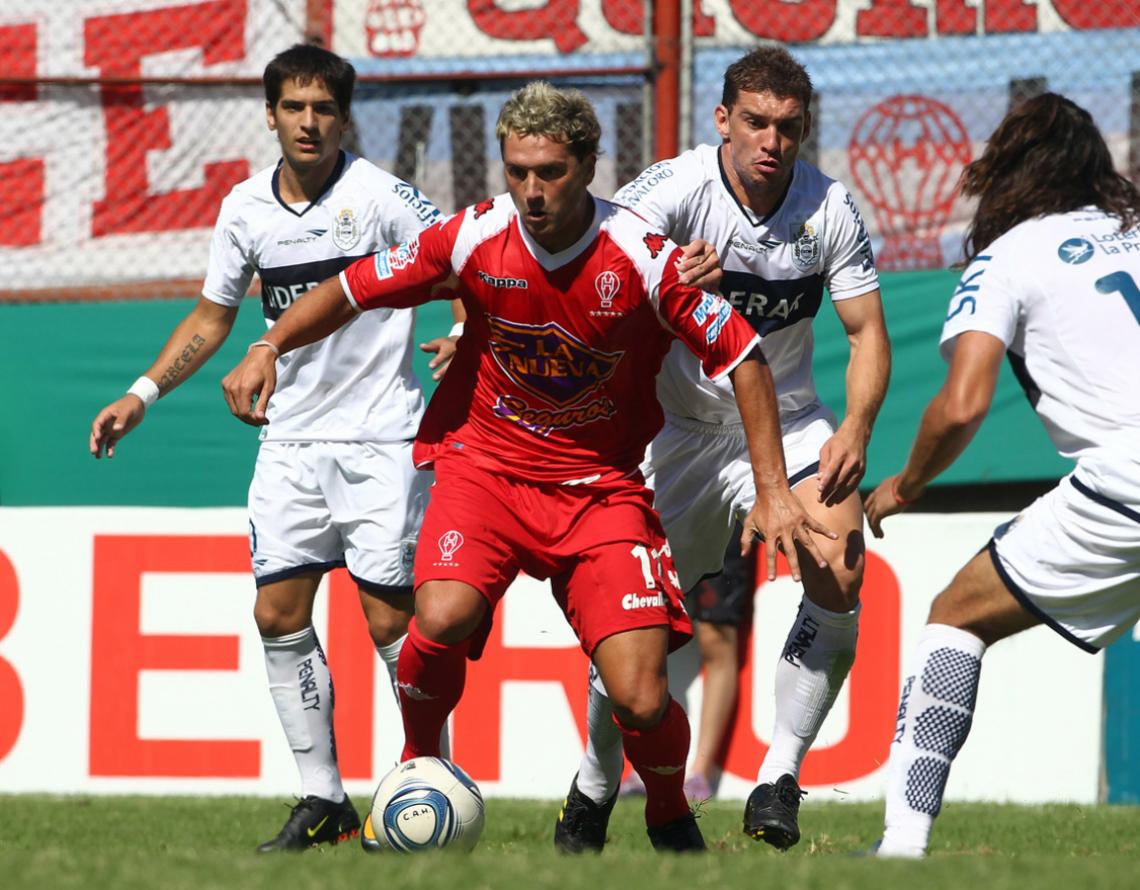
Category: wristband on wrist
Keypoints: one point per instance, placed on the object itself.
(146, 389)
(899, 499)
(267, 345)
(456, 330)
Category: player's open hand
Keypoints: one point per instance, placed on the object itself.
(249, 385)
(699, 266)
(883, 502)
(842, 463)
(114, 422)
(779, 519)
(444, 349)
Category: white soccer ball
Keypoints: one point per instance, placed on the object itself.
(425, 804)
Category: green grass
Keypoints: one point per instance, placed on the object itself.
(172, 843)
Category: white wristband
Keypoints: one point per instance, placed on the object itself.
(146, 389)
(456, 330)
(267, 344)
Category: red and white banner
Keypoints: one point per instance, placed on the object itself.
(129, 662)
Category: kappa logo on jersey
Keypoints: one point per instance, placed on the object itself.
(607, 284)
(346, 231)
(449, 542)
(394, 259)
(484, 207)
(655, 242)
(497, 281)
(549, 362)
(805, 247)
(1075, 251)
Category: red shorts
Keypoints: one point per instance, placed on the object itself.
(603, 549)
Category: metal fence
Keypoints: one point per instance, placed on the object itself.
(131, 119)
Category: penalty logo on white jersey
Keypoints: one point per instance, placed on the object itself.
(346, 232)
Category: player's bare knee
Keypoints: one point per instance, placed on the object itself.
(642, 706)
(275, 619)
(387, 629)
(837, 587)
(446, 620)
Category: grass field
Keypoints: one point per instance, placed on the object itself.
(172, 843)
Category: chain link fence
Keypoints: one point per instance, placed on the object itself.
(131, 119)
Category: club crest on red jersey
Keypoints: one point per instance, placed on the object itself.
(655, 241)
(484, 207)
(549, 362)
(607, 284)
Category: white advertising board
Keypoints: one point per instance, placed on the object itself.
(129, 662)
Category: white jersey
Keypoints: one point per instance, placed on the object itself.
(1063, 294)
(356, 385)
(775, 269)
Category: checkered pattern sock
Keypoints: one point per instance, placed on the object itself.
(813, 666)
(599, 774)
(431, 677)
(934, 717)
(302, 690)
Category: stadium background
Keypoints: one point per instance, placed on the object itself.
(131, 119)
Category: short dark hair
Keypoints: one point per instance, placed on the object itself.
(1045, 157)
(305, 63)
(767, 69)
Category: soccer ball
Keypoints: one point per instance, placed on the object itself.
(425, 804)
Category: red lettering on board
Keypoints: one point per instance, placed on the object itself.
(117, 45)
(11, 690)
(22, 179)
(120, 652)
(785, 20)
(554, 19)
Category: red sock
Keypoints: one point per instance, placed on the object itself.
(430, 676)
(659, 754)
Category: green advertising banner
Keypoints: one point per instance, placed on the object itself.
(62, 362)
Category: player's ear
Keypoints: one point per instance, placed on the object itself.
(807, 125)
(590, 163)
(720, 118)
(270, 117)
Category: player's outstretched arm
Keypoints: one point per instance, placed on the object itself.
(248, 387)
(777, 517)
(191, 343)
(843, 458)
(948, 425)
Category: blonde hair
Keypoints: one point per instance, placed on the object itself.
(539, 109)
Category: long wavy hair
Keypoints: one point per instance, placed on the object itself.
(1047, 156)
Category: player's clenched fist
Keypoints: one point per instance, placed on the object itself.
(248, 386)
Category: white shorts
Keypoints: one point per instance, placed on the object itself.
(1072, 558)
(314, 506)
(703, 485)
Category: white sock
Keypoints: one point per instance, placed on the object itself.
(390, 655)
(935, 712)
(302, 690)
(599, 774)
(815, 662)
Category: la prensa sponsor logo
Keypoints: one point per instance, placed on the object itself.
(632, 601)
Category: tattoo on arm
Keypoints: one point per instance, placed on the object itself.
(170, 377)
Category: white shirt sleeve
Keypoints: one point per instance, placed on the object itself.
(654, 195)
(231, 267)
(407, 213)
(986, 299)
(850, 261)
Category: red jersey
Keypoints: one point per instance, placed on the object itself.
(554, 376)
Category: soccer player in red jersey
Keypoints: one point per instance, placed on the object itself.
(537, 431)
